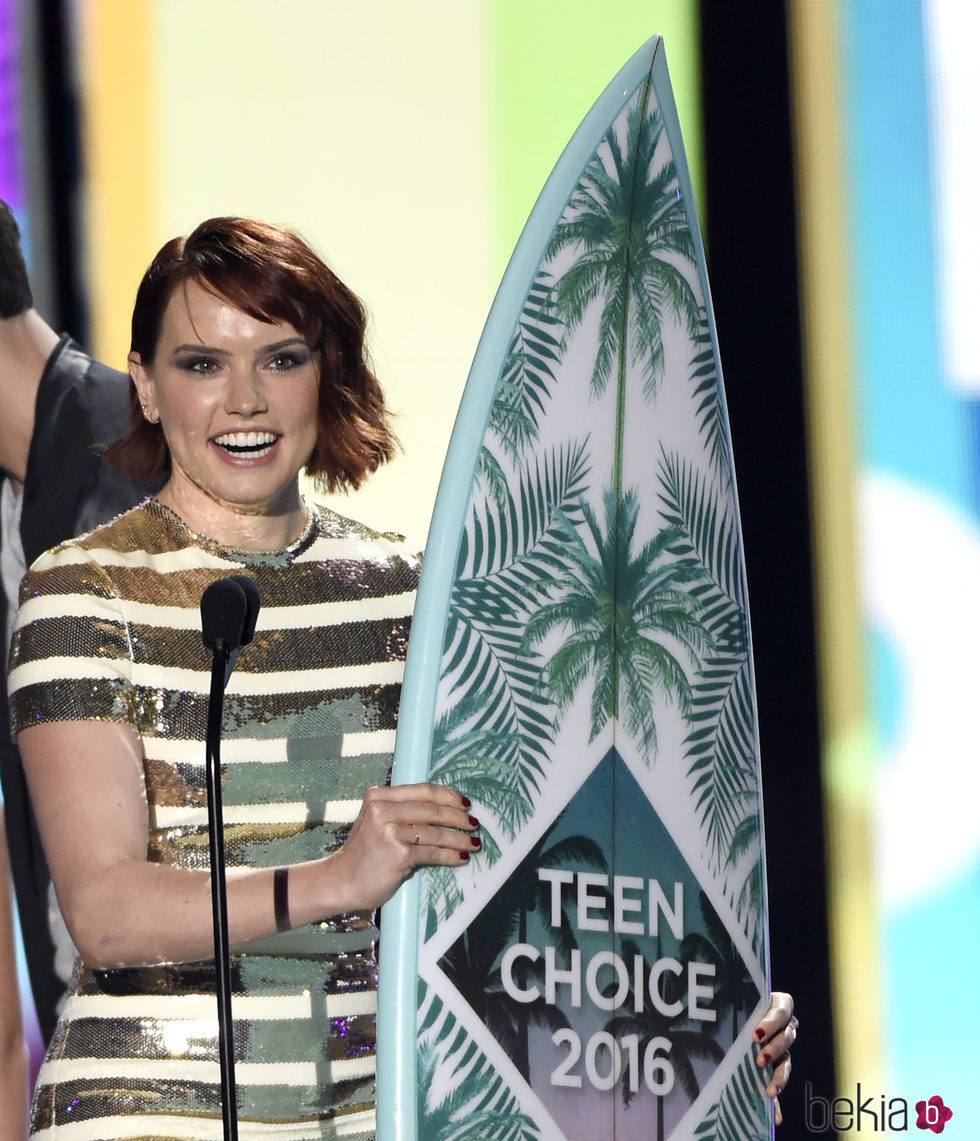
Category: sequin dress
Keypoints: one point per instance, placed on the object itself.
(110, 629)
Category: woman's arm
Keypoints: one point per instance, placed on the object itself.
(86, 780)
(13, 1048)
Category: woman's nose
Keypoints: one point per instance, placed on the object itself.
(244, 394)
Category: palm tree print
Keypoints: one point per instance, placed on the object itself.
(734, 990)
(473, 963)
(524, 387)
(598, 587)
(740, 1110)
(504, 554)
(473, 1102)
(710, 412)
(750, 902)
(625, 610)
(686, 1044)
(627, 227)
(721, 745)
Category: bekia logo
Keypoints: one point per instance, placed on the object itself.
(873, 1114)
(933, 1114)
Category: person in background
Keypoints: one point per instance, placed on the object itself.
(57, 406)
(13, 1048)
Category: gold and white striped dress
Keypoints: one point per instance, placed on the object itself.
(109, 628)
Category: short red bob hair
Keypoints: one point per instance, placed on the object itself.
(271, 274)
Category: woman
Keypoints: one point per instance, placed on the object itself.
(248, 364)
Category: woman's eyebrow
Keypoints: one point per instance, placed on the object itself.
(274, 347)
(297, 340)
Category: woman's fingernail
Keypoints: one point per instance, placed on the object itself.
(474, 822)
(476, 841)
(466, 802)
(759, 1033)
(464, 856)
(764, 1059)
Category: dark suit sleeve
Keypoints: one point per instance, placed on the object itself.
(81, 405)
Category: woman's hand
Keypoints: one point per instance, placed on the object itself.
(398, 829)
(123, 910)
(774, 1035)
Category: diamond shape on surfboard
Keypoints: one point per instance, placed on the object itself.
(575, 973)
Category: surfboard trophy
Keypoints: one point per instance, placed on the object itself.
(580, 666)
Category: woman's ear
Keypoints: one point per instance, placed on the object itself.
(143, 382)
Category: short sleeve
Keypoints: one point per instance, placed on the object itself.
(70, 656)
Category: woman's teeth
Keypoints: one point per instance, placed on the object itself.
(254, 444)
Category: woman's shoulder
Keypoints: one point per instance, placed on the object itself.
(350, 538)
(133, 530)
(111, 561)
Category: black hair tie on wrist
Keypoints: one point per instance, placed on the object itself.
(280, 899)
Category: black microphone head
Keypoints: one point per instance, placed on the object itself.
(224, 608)
(253, 598)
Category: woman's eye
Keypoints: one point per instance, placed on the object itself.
(284, 362)
(202, 366)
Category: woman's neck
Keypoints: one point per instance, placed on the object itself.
(234, 525)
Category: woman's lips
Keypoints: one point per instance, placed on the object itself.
(246, 445)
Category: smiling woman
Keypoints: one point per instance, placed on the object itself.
(248, 364)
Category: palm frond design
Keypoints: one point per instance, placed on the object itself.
(506, 552)
(749, 901)
(721, 745)
(476, 1104)
(692, 503)
(627, 225)
(481, 764)
(491, 473)
(708, 408)
(741, 1110)
(630, 619)
(528, 374)
(721, 752)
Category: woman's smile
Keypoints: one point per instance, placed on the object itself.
(246, 446)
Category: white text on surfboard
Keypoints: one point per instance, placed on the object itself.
(592, 895)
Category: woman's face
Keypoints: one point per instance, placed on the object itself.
(237, 401)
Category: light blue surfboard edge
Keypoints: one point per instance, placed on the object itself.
(397, 1048)
(668, 109)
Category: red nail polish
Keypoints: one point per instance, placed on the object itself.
(476, 841)
(466, 802)
(464, 856)
(765, 1059)
(474, 822)
(760, 1033)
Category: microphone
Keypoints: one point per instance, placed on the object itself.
(229, 610)
(253, 600)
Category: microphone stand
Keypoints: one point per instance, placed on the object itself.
(229, 608)
(219, 896)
